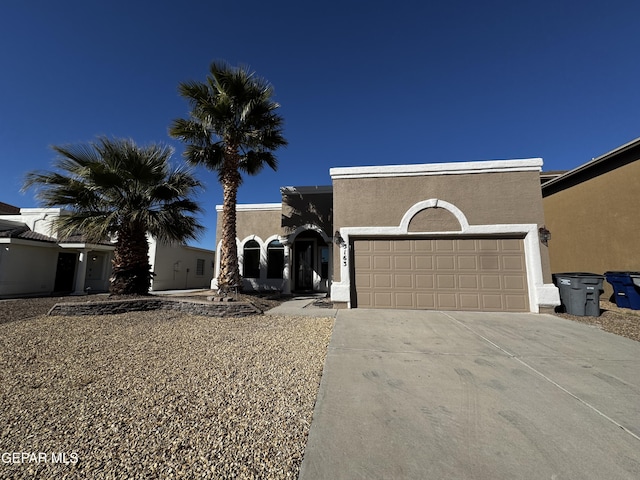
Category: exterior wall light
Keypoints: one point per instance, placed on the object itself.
(545, 235)
(337, 239)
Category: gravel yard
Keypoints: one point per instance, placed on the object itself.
(155, 394)
(613, 319)
(167, 395)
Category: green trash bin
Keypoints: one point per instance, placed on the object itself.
(580, 292)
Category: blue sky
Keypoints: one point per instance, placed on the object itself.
(360, 82)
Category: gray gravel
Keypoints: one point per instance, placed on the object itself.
(156, 394)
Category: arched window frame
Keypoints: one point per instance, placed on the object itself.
(275, 260)
(251, 259)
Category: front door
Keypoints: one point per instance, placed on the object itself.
(304, 264)
(65, 272)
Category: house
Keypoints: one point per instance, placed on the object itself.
(592, 214)
(449, 236)
(33, 261)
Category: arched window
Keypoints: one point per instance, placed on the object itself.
(251, 256)
(275, 259)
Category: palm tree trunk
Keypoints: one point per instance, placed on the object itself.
(131, 270)
(229, 277)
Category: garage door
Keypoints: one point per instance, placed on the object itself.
(485, 274)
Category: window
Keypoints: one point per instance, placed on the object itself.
(275, 259)
(251, 263)
(200, 266)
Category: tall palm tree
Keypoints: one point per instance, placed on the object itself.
(232, 129)
(116, 188)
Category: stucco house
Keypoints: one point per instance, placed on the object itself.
(33, 261)
(592, 214)
(449, 236)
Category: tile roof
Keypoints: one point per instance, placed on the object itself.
(25, 234)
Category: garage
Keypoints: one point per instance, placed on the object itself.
(453, 273)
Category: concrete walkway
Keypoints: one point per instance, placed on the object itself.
(451, 395)
(303, 305)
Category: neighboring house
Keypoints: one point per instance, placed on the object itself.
(33, 261)
(592, 214)
(453, 236)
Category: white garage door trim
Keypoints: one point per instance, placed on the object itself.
(539, 292)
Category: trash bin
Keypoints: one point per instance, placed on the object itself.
(626, 288)
(580, 292)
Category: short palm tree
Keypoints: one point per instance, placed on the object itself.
(232, 129)
(116, 188)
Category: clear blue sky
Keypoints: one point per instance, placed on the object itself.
(360, 82)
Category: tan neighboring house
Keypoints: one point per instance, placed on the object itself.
(451, 236)
(592, 214)
(33, 261)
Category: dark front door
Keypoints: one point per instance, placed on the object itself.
(304, 264)
(65, 272)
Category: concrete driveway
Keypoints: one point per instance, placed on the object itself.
(456, 395)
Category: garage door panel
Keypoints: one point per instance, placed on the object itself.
(467, 262)
(447, 301)
(468, 281)
(401, 247)
(443, 274)
(489, 262)
(363, 262)
(382, 281)
(512, 262)
(445, 262)
(423, 245)
(444, 245)
(514, 282)
(403, 262)
(515, 303)
(382, 262)
(492, 302)
(469, 301)
(445, 282)
(488, 245)
(382, 246)
(404, 300)
(424, 282)
(403, 281)
(383, 300)
(490, 282)
(423, 262)
(511, 244)
(426, 301)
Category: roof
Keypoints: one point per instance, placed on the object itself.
(24, 233)
(618, 157)
(6, 209)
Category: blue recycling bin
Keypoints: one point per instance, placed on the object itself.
(625, 289)
(580, 292)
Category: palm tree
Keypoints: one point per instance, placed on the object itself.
(116, 188)
(232, 129)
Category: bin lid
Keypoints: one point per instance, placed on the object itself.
(578, 274)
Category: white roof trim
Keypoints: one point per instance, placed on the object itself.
(455, 168)
(254, 207)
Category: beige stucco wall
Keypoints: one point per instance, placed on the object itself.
(484, 198)
(263, 223)
(307, 208)
(595, 225)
